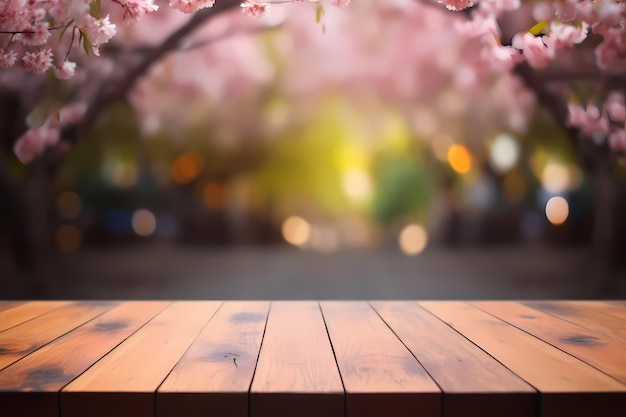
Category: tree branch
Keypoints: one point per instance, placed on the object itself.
(553, 102)
(117, 87)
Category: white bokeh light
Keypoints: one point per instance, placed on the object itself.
(504, 153)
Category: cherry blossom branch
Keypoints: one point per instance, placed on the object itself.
(143, 49)
(116, 88)
(553, 102)
(15, 32)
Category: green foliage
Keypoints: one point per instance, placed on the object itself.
(319, 13)
(84, 39)
(94, 9)
(403, 188)
(65, 28)
(303, 167)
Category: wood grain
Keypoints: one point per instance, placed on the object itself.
(123, 383)
(18, 314)
(553, 372)
(238, 358)
(473, 383)
(214, 375)
(296, 372)
(586, 315)
(20, 340)
(50, 368)
(602, 352)
(381, 377)
(5, 305)
(609, 307)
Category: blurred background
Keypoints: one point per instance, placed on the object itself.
(346, 155)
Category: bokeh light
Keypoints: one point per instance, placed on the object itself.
(504, 153)
(413, 239)
(557, 210)
(68, 238)
(215, 195)
(187, 167)
(120, 172)
(144, 222)
(296, 230)
(68, 205)
(556, 178)
(459, 159)
(357, 185)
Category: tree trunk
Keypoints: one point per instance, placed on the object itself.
(599, 164)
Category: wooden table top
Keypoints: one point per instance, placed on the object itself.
(308, 358)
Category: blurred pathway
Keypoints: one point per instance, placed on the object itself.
(180, 272)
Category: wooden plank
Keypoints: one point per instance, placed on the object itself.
(50, 368)
(23, 312)
(5, 305)
(19, 341)
(612, 308)
(296, 371)
(567, 385)
(585, 315)
(124, 382)
(214, 376)
(473, 383)
(381, 377)
(602, 352)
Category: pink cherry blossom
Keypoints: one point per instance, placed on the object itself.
(611, 54)
(497, 6)
(7, 58)
(34, 141)
(72, 113)
(617, 140)
(566, 10)
(535, 51)
(191, 6)
(543, 11)
(501, 58)
(340, 3)
(38, 62)
(614, 107)
(34, 35)
(457, 4)
(66, 70)
(563, 35)
(481, 23)
(590, 121)
(101, 31)
(134, 9)
(252, 8)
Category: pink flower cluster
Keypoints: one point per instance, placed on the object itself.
(134, 9)
(561, 25)
(35, 140)
(191, 6)
(27, 30)
(27, 26)
(600, 123)
(252, 8)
